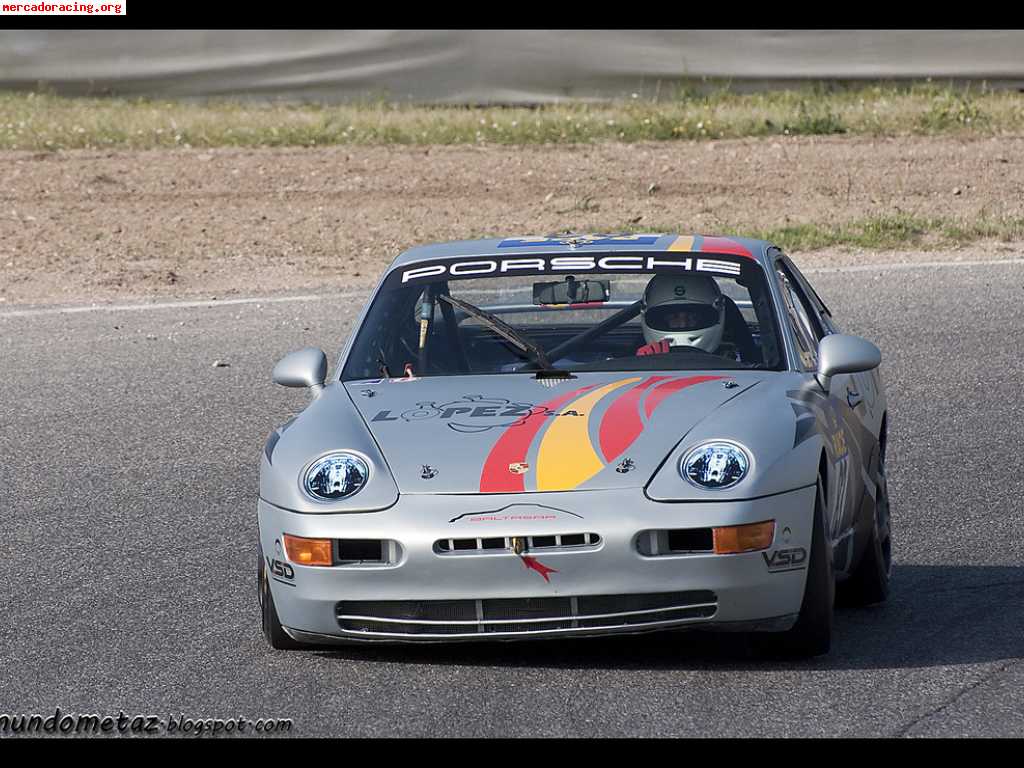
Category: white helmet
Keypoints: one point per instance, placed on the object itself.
(686, 309)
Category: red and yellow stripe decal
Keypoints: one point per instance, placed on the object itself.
(664, 390)
(682, 244)
(622, 424)
(513, 446)
(702, 244)
(566, 455)
(566, 458)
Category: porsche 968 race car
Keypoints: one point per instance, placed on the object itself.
(576, 436)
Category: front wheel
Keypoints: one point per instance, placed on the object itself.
(272, 629)
(869, 582)
(812, 633)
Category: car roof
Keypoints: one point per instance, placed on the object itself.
(587, 243)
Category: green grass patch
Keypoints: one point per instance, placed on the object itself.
(877, 233)
(882, 232)
(895, 232)
(42, 121)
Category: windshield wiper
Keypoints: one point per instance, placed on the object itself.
(503, 329)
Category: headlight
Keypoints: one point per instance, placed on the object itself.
(715, 465)
(335, 476)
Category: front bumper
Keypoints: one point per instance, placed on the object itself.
(707, 590)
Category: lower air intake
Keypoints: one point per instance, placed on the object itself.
(479, 619)
(677, 541)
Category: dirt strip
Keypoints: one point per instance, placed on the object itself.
(82, 226)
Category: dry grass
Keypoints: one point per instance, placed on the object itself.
(889, 232)
(41, 121)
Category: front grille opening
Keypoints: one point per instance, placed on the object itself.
(527, 608)
(504, 543)
(536, 626)
(369, 626)
(696, 612)
(642, 602)
(690, 540)
(677, 541)
(361, 551)
(410, 610)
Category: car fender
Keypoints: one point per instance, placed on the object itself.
(329, 423)
(783, 440)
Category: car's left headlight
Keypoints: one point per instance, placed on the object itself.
(715, 465)
(335, 476)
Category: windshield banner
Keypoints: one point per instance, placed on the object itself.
(550, 264)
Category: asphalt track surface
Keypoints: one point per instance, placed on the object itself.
(128, 479)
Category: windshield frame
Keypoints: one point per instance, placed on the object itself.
(553, 264)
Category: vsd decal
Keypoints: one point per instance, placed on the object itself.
(785, 559)
(278, 568)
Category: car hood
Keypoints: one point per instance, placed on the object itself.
(511, 433)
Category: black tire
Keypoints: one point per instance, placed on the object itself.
(869, 582)
(272, 630)
(812, 633)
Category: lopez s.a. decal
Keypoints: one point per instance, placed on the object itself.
(485, 413)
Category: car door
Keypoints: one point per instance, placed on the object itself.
(846, 450)
(865, 396)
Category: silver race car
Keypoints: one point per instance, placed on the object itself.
(573, 436)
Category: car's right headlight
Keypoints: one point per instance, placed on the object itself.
(335, 476)
(715, 465)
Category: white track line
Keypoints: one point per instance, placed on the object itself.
(894, 267)
(898, 266)
(177, 304)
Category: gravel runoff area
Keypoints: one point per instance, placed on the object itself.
(106, 226)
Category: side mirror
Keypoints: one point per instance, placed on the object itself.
(838, 353)
(304, 368)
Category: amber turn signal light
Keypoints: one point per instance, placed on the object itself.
(308, 551)
(733, 539)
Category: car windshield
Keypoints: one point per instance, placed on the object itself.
(437, 320)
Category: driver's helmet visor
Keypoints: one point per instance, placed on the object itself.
(681, 316)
